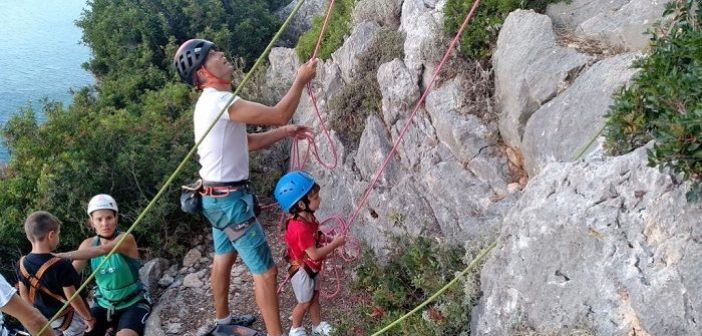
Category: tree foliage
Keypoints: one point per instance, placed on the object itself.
(338, 28)
(127, 134)
(481, 33)
(664, 101)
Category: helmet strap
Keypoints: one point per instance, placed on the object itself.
(211, 78)
(297, 210)
(114, 234)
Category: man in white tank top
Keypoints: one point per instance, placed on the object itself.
(224, 158)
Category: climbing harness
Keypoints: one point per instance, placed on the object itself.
(35, 285)
(118, 284)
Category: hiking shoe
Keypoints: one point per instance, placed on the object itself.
(299, 331)
(245, 320)
(323, 329)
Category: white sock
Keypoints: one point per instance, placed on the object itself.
(225, 320)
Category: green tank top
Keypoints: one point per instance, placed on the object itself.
(118, 284)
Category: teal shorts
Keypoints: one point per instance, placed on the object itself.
(252, 246)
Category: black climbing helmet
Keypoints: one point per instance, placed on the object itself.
(189, 57)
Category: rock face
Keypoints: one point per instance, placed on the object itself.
(603, 245)
(384, 13)
(619, 23)
(360, 40)
(421, 21)
(301, 22)
(610, 246)
(280, 73)
(530, 69)
(448, 175)
(562, 128)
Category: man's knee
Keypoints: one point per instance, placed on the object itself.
(270, 275)
(222, 263)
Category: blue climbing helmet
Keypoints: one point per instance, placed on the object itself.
(292, 188)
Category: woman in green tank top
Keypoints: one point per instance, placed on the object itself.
(121, 302)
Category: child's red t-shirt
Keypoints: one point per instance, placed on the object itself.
(301, 235)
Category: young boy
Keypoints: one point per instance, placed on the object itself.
(298, 194)
(47, 281)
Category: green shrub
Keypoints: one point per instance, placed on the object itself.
(481, 32)
(664, 101)
(362, 97)
(420, 266)
(337, 29)
(85, 150)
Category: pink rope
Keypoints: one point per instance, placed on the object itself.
(344, 254)
(390, 155)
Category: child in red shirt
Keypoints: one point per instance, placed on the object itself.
(298, 194)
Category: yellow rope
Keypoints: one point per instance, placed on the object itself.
(587, 146)
(181, 166)
(472, 264)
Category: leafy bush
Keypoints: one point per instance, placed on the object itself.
(420, 267)
(481, 33)
(664, 101)
(87, 150)
(337, 29)
(362, 97)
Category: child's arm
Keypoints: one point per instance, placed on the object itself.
(87, 251)
(321, 252)
(79, 305)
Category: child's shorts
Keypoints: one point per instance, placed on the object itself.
(304, 286)
(76, 328)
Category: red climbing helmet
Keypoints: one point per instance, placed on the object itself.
(190, 57)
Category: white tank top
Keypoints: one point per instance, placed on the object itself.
(224, 154)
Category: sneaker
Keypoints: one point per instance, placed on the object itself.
(323, 329)
(299, 331)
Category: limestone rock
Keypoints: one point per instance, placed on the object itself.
(399, 90)
(280, 74)
(360, 40)
(385, 13)
(192, 280)
(618, 23)
(301, 22)
(422, 23)
(607, 246)
(530, 68)
(151, 272)
(373, 150)
(466, 135)
(561, 129)
(192, 257)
